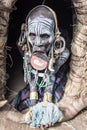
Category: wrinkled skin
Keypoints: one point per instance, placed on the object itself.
(40, 36)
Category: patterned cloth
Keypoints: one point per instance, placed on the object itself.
(22, 100)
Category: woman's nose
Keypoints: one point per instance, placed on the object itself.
(37, 41)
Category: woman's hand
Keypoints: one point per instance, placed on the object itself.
(2, 103)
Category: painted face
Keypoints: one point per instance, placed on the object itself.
(40, 33)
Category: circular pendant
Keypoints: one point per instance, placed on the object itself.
(39, 61)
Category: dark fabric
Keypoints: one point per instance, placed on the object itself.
(22, 100)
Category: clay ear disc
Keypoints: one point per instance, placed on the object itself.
(38, 62)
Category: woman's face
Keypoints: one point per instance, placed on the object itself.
(41, 33)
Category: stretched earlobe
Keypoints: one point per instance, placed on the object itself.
(22, 39)
(59, 45)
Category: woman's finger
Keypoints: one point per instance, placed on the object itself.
(42, 127)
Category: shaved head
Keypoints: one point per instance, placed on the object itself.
(41, 11)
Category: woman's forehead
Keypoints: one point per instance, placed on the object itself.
(41, 23)
(41, 19)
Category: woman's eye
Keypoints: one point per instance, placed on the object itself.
(32, 35)
(44, 36)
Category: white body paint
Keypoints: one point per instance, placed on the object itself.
(41, 31)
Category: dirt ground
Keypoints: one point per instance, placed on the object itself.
(78, 123)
